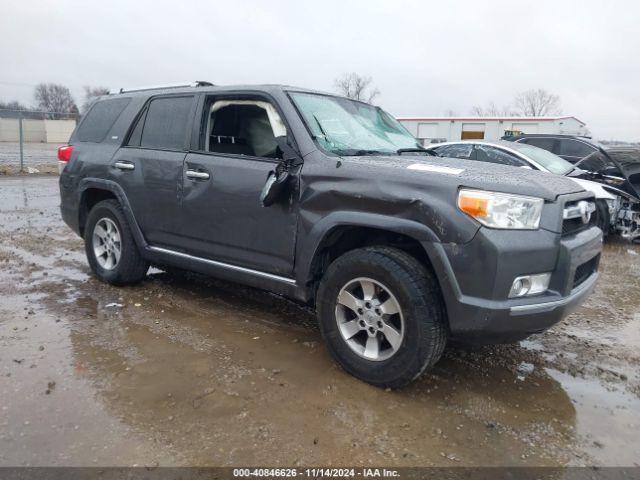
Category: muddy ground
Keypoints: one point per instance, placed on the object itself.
(193, 371)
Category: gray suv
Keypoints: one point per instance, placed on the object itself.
(331, 202)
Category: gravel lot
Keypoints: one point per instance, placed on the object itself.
(185, 370)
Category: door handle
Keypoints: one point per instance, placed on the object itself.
(196, 175)
(124, 165)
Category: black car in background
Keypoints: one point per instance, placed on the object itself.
(618, 168)
(572, 148)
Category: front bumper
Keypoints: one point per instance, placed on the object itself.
(480, 274)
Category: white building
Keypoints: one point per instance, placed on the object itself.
(34, 130)
(445, 129)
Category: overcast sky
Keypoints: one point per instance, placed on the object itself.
(426, 57)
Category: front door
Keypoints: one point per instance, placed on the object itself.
(222, 217)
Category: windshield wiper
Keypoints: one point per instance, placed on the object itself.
(321, 129)
(416, 149)
(361, 152)
(371, 152)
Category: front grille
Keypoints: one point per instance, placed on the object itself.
(576, 224)
(585, 270)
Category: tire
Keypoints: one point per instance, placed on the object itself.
(127, 268)
(421, 319)
(602, 217)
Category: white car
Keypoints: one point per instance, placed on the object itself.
(527, 156)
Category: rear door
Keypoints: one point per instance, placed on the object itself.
(149, 167)
(222, 217)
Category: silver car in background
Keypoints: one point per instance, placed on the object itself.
(527, 156)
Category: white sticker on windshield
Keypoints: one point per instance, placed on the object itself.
(435, 168)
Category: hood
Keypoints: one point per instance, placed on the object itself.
(614, 167)
(471, 174)
(594, 187)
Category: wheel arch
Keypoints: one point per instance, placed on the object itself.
(92, 191)
(341, 232)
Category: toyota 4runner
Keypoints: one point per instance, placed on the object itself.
(331, 202)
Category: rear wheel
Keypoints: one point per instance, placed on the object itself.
(382, 315)
(111, 250)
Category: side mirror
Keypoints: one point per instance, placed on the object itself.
(278, 179)
(285, 145)
(274, 186)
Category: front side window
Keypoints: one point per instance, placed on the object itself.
(574, 148)
(164, 124)
(242, 127)
(485, 153)
(347, 127)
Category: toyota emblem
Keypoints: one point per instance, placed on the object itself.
(585, 211)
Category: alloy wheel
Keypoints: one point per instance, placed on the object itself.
(107, 244)
(369, 319)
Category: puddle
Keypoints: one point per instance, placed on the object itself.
(607, 418)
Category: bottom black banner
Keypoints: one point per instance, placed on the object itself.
(197, 473)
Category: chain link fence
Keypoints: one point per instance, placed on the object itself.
(29, 140)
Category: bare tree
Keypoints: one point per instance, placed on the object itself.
(52, 97)
(492, 110)
(12, 105)
(90, 94)
(537, 103)
(10, 109)
(357, 87)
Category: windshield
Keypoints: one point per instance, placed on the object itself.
(346, 127)
(546, 159)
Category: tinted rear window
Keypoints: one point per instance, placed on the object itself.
(165, 125)
(100, 119)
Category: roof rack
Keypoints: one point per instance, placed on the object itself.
(197, 83)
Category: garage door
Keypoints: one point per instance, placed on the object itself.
(472, 131)
(427, 130)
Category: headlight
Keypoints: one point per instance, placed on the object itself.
(501, 210)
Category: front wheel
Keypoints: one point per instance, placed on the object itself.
(382, 316)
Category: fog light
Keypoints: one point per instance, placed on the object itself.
(529, 285)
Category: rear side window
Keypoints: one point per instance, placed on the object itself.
(456, 151)
(485, 153)
(163, 125)
(100, 119)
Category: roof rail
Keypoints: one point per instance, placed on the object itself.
(197, 83)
